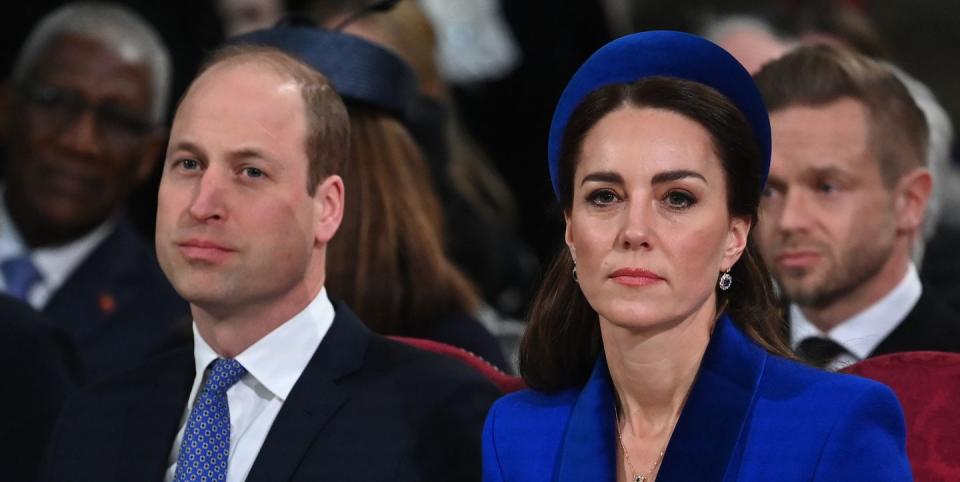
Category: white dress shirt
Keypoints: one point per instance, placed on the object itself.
(273, 364)
(55, 264)
(862, 333)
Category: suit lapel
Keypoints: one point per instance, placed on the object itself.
(315, 398)
(706, 441)
(588, 449)
(99, 286)
(149, 430)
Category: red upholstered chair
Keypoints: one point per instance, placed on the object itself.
(506, 383)
(928, 386)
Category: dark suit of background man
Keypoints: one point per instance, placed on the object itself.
(844, 206)
(281, 384)
(80, 121)
(37, 361)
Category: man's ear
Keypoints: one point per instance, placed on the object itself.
(912, 194)
(736, 241)
(154, 148)
(328, 202)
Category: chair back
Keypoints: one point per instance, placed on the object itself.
(505, 382)
(927, 384)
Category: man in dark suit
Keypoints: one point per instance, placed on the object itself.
(81, 117)
(844, 205)
(281, 384)
(38, 361)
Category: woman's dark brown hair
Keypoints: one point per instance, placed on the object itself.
(387, 260)
(562, 341)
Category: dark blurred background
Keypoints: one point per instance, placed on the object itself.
(509, 116)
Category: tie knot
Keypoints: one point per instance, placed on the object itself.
(819, 351)
(224, 374)
(20, 275)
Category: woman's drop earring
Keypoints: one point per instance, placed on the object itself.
(726, 279)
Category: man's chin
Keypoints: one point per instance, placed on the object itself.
(200, 290)
(802, 291)
(813, 295)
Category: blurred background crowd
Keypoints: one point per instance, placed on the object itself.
(490, 72)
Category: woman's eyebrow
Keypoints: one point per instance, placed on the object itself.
(669, 176)
(603, 176)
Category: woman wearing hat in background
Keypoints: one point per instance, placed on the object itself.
(654, 350)
(388, 260)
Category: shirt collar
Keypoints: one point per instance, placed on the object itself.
(55, 263)
(863, 332)
(277, 360)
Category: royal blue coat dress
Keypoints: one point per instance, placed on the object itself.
(750, 416)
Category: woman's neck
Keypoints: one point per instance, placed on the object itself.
(652, 373)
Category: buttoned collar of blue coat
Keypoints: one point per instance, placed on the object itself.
(709, 426)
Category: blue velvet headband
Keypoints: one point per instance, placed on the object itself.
(358, 70)
(667, 54)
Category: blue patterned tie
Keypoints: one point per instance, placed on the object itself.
(20, 275)
(205, 448)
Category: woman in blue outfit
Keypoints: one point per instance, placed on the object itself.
(655, 348)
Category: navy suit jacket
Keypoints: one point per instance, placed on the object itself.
(118, 307)
(932, 325)
(366, 408)
(37, 360)
(750, 416)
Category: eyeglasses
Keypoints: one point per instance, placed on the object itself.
(64, 106)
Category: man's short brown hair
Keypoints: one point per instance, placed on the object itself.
(818, 75)
(328, 126)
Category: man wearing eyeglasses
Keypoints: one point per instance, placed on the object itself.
(81, 119)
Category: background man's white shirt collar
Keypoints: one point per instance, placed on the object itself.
(862, 333)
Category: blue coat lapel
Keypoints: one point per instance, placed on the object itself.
(705, 443)
(589, 444)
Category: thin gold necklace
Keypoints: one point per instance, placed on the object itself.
(637, 476)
